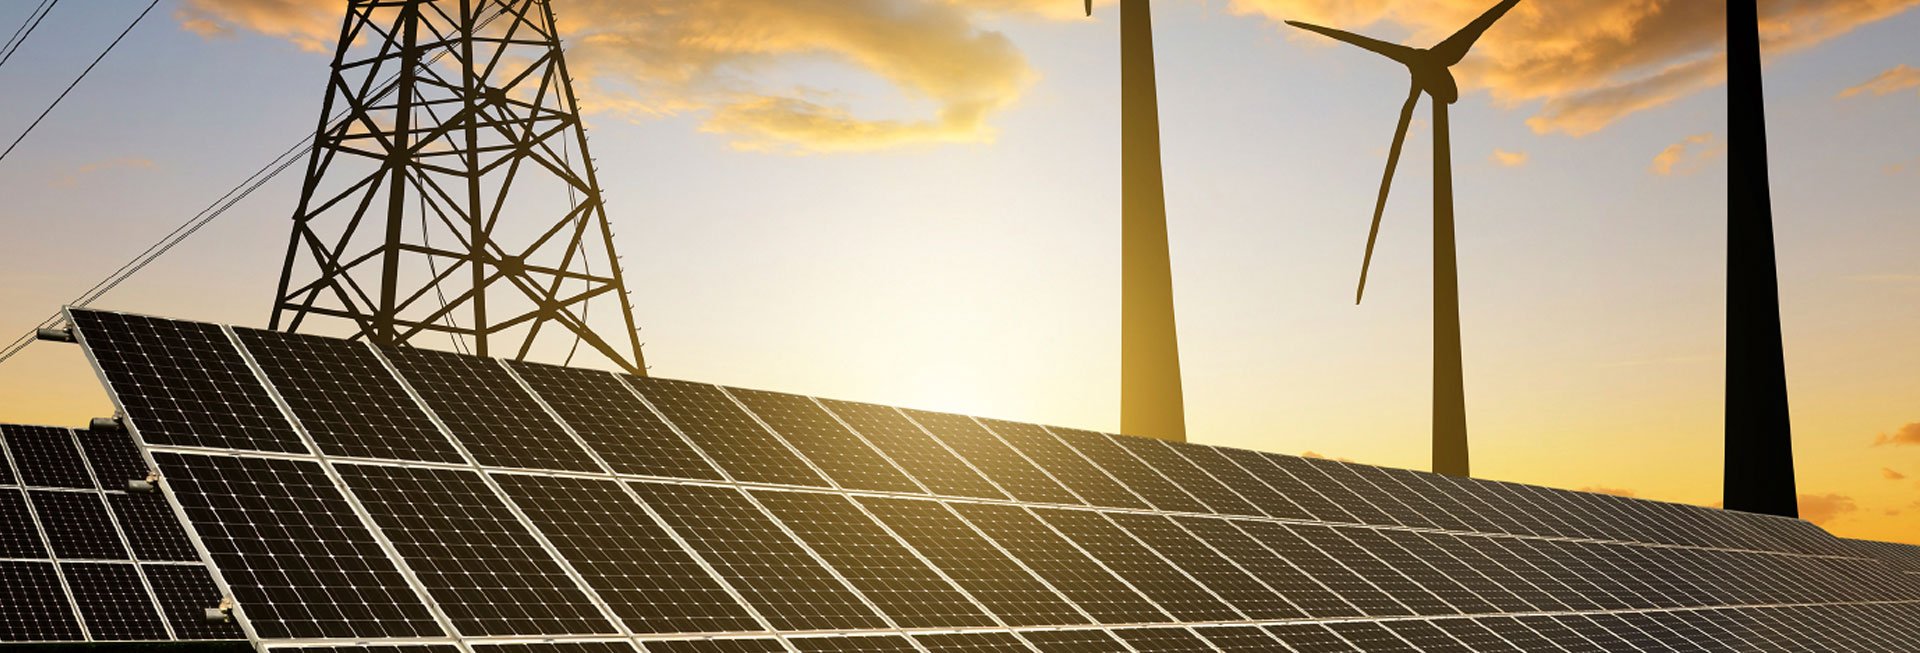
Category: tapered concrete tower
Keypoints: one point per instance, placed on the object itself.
(1759, 472)
(1150, 400)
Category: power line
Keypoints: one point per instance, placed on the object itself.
(207, 215)
(76, 80)
(26, 29)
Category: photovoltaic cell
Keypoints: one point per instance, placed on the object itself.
(184, 383)
(113, 457)
(971, 642)
(913, 450)
(185, 592)
(1416, 568)
(113, 602)
(1478, 638)
(1243, 483)
(1349, 502)
(832, 448)
(1326, 569)
(46, 457)
(869, 644)
(1425, 636)
(1559, 634)
(606, 414)
(500, 424)
(1233, 639)
(403, 648)
(993, 457)
(151, 527)
(1489, 595)
(481, 565)
(993, 579)
(1139, 566)
(716, 646)
(1373, 637)
(883, 570)
(771, 571)
(1516, 633)
(33, 607)
(1165, 640)
(77, 525)
(1303, 496)
(1334, 542)
(1246, 593)
(1067, 466)
(299, 561)
(719, 427)
(652, 583)
(1310, 638)
(1077, 577)
(1349, 477)
(1129, 471)
(1312, 598)
(1074, 641)
(6, 464)
(557, 647)
(1162, 458)
(18, 537)
(345, 398)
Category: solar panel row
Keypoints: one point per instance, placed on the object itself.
(410, 494)
(83, 559)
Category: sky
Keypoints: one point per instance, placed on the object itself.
(916, 202)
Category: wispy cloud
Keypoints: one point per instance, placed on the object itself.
(1891, 474)
(1905, 435)
(1824, 509)
(1616, 491)
(1686, 157)
(1894, 80)
(731, 63)
(1510, 159)
(74, 177)
(1590, 63)
(1316, 454)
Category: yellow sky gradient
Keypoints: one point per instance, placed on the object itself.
(912, 123)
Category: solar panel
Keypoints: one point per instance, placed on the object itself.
(354, 498)
(711, 419)
(345, 399)
(612, 420)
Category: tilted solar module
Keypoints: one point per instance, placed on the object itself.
(349, 497)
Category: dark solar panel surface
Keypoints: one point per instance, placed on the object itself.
(614, 422)
(602, 518)
(500, 424)
(35, 606)
(345, 398)
(711, 419)
(46, 457)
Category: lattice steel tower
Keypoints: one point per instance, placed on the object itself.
(450, 193)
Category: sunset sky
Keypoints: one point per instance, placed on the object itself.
(916, 202)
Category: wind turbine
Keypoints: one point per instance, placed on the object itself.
(1431, 75)
(1150, 397)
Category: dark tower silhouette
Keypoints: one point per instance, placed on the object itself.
(1432, 75)
(450, 193)
(1150, 398)
(1759, 438)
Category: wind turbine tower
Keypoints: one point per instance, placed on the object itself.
(1150, 400)
(1759, 437)
(1430, 69)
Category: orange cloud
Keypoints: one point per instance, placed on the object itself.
(1892, 475)
(1619, 492)
(1510, 159)
(72, 179)
(1685, 157)
(1894, 80)
(1590, 63)
(1315, 454)
(1907, 435)
(1823, 509)
(742, 65)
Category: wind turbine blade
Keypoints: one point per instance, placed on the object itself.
(1455, 48)
(1386, 183)
(1394, 51)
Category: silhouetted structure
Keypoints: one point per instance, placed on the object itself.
(456, 195)
(1431, 76)
(1759, 473)
(1150, 398)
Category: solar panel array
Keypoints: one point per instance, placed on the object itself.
(82, 558)
(350, 496)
